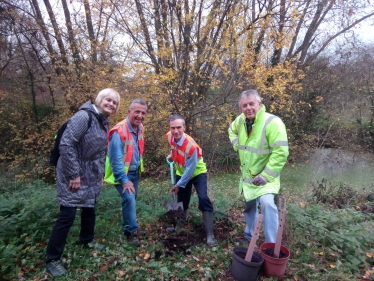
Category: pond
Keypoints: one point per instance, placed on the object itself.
(336, 166)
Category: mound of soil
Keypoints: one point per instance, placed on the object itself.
(184, 237)
(172, 216)
(270, 252)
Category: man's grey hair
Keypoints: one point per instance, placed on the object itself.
(248, 93)
(176, 117)
(140, 101)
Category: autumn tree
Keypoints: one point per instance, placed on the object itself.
(187, 57)
(338, 90)
(196, 56)
(47, 73)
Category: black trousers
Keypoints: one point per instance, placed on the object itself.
(62, 226)
(201, 187)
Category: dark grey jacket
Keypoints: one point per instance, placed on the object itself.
(82, 153)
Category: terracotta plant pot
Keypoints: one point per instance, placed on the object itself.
(242, 270)
(274, 266)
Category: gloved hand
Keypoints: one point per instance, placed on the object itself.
(259, 180)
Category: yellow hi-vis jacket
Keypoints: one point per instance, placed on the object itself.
(264, 152)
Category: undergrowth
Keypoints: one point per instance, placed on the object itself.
(326, 242)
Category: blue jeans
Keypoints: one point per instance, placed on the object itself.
(270, 219)
(129, 222)
(201, 187)
(62, 226)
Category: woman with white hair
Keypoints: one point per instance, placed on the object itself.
(80, 173)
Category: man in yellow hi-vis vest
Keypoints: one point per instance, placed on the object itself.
(125, 162)
(191, 170)
(260, 139)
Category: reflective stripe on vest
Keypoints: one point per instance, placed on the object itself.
(247, 180)
(235, 141)
(128, 142)
(271, 172)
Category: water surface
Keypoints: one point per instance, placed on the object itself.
(336, 166)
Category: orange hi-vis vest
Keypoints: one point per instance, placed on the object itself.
(128, 147)
(128, 144)
(181, 153)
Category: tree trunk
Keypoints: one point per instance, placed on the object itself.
(73, 44)
(45, 33)
(90, 29)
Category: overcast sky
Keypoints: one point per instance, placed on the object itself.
(366, 30)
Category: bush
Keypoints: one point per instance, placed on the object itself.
(341, 237)
(342, 196)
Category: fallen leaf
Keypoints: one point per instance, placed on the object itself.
(45, 277)
(121, 273)
(310, 265)
(318, 99)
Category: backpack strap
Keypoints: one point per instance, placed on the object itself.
(55, 153)
(89, 118)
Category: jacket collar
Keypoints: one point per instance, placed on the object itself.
(180, 142)
(258, 116)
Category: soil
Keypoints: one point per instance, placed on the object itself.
(254, 258)
(192, 233)
(270, 252)
(172, 216)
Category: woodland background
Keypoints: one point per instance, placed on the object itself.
(188, 57)
(192, 57)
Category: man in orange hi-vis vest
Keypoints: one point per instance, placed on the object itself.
(190, 170)
(125, 162)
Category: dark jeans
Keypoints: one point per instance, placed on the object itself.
(62, 226)
(200, 184)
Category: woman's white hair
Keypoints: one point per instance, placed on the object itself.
(105, 93)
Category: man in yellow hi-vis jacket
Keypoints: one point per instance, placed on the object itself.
(260, 139)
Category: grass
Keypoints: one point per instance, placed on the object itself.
(326, 243)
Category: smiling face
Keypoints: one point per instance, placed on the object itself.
(108, 105)
(249, 105)
(177, 129)
(136, 114)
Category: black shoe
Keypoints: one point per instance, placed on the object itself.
(94, 245)
(139, 233)
(55, 268)
(131, 238)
